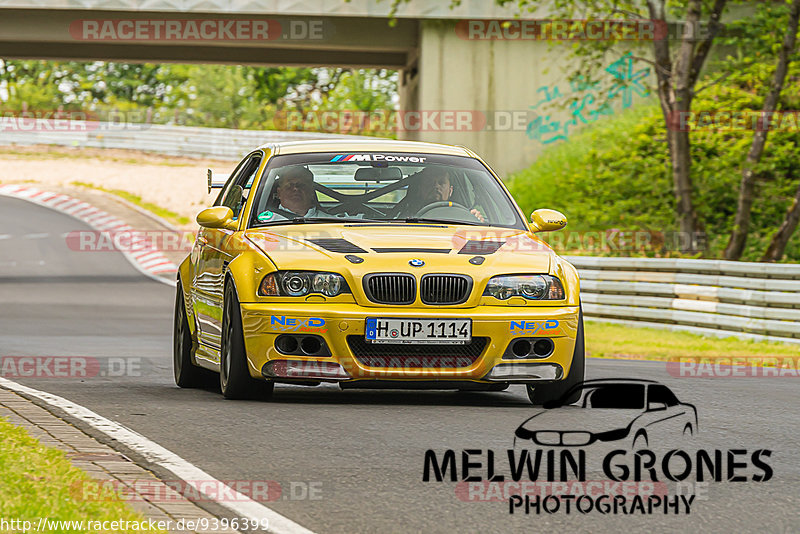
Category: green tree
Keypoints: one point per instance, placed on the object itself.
(741, 221)
(222, 97)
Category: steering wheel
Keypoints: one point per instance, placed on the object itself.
(448, 208)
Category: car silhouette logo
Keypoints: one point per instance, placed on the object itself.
(416, 263)
(629, 410)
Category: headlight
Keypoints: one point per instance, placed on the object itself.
(301, 283)
(296, 284)
(532, 287)
(613, 435)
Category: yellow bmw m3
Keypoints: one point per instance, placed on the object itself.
(374, 264)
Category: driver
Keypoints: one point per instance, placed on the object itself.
(434, 186)
(295, 194)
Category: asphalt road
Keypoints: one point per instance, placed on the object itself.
(361, 451)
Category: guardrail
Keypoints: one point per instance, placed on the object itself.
(749, 300)
(217, 143)
(759, 301)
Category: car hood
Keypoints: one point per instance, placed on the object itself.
(390, 247)
(581, 419)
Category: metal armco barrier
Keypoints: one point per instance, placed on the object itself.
(217, 143)
(758, 301)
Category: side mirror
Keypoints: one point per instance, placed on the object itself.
(655, 406)
(548, 220)
(216, 217)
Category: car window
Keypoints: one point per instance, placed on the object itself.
(659, 393)
(621, 396)
(238, 189)
(385, 187)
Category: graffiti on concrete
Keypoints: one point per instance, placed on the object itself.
(587, 101)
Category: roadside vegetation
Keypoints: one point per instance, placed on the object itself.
(606, 340)
(615, 175)
(745, 60)
(221, 96)
(40, 482)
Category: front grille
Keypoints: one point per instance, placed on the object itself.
(391, 288)
(442, 289)
(416, 356)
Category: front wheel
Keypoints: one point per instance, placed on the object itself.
(541, 393)
(186, 373)
(234, 375)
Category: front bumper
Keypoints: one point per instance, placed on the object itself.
(497, 325)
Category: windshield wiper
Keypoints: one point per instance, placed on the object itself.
(316, 220)
(439, 221)
(312, 220)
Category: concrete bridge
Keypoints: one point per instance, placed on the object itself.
(457, 85)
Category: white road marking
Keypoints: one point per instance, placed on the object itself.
(65, 204)
(35, 236)
(4, 236)
(242, 505)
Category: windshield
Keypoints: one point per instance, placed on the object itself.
(387, 187)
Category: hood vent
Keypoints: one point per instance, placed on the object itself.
(481, 247)
(338, 245)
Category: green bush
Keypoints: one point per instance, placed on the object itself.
(616, 174)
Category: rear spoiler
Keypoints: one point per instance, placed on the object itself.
(216, 180)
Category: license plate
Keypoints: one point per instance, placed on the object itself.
(431, 331)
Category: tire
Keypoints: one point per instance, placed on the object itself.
(235, 381)
(541, 393)
(186, 373)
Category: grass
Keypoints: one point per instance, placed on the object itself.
(40, 482)
(137, 200)
(606, 340)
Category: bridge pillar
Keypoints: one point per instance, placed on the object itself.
(495, 81)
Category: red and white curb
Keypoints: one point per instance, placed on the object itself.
(148, 261)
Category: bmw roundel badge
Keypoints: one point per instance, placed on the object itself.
(416, 263)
